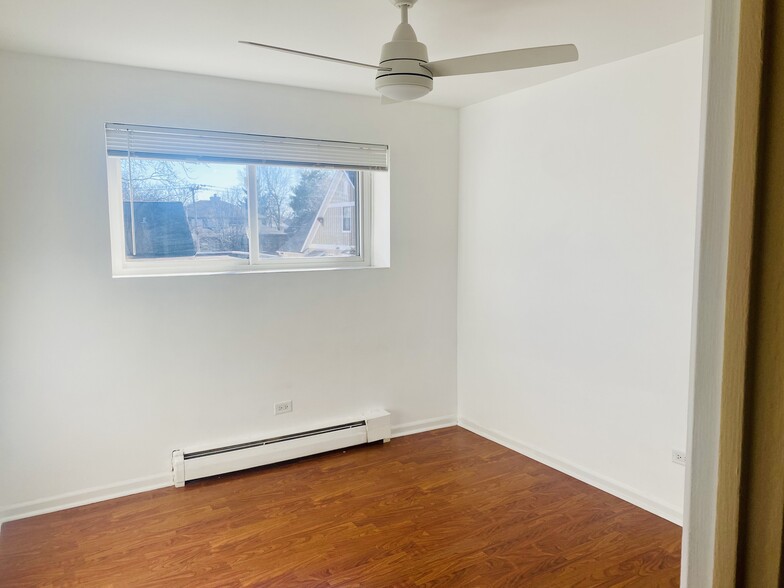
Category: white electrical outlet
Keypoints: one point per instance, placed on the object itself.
(679, 457)
(285, 406)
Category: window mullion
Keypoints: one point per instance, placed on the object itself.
(253, 216)
(365, 212)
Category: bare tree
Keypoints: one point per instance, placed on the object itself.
(156, 180)
(236, 195)
(273, 187)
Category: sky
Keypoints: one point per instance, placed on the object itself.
(219, 175)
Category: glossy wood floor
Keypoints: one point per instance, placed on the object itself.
(444, 508)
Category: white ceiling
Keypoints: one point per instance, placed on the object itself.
(200, 36)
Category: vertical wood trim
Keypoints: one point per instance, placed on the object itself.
(744, 185)
(762, 521)
(750, 498)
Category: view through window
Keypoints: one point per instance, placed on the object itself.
(178, 209)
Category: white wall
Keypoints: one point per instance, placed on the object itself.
(576, 239)
(101, 378)
(577, 203)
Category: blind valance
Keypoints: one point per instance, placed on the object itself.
(218, 147)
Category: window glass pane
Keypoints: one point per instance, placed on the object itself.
(306, 212)
(347, 218)
(184, 210)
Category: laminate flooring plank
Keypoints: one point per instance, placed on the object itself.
(442, 508)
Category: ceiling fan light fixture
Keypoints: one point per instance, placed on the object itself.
(401, 75)
(404, 92)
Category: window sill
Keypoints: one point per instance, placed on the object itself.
(170, 273)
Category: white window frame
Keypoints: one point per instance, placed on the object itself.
(125, 267)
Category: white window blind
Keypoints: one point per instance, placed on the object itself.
(210, 146)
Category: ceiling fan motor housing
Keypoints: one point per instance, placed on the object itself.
(405, 56)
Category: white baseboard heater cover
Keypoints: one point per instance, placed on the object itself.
(192, 465)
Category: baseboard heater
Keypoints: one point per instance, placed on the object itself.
(194, 464)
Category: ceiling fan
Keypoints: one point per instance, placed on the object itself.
(404, 72)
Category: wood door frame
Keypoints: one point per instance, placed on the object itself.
(739, 276)
(750, 494)
(735, 500)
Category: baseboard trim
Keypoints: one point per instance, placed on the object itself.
(617, 489)
(33, 508)
(424, 425)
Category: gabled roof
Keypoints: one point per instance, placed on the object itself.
(302, 237)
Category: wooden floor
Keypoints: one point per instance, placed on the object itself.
(444, 508)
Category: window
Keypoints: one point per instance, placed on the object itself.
(185, 202)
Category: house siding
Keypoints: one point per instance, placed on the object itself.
(330, 232)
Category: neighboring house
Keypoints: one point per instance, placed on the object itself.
(218, 226)
(161, 230)
(333, 229)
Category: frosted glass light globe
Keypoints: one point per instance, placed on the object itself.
(403, 92)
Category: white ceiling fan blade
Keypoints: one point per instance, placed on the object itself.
(503, 60)
(385, 100)
(314, 55)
